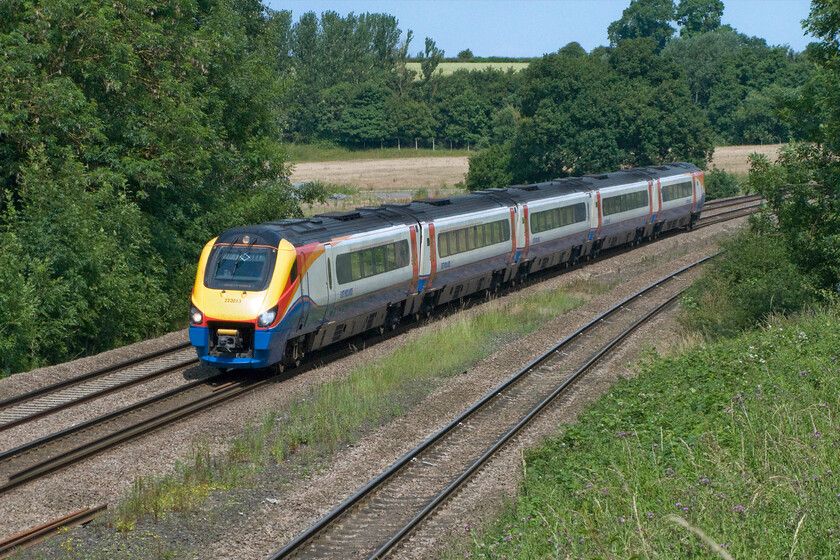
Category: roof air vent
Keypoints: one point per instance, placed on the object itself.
(435, 201)
(344, 216)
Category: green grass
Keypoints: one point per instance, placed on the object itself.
(447, 68)
(738, 441)
(337, 412)
(300, 153)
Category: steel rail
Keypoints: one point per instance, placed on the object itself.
(89, 375)
(440, 498)
(334, 515)
(730, 201)
(726, 215)
(33, 536)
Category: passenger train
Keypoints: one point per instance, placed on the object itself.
(266, 295)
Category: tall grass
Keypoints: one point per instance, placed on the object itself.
(336, 412)
(738, 441)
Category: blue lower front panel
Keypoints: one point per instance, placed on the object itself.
(268, 349)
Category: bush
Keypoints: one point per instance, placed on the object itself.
(490, 168)
(753, 278)
(720, 184)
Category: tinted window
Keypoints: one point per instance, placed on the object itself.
(473, 237)
(624, 202)
(365, 263)
(557, 217)
(673, 192)
(239, 268)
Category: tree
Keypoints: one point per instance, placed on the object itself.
(490, 169)
(590, 115)
(429, 59)
(644, 18)
(130, 134)
(803, 189)
(698, 16)
(412, 120)
(573, 50)
(364, 118)
(466, 119)
(465, 54)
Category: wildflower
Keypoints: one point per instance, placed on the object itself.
(739, 508)
(650, 515)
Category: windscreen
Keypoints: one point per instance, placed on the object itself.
(233, 267)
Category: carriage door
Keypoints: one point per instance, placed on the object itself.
(327, 283)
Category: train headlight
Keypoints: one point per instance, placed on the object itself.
(267, 317)
(196, 316)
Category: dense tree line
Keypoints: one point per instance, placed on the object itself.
(650, 97)
(130, 134)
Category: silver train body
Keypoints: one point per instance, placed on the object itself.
(271, 293)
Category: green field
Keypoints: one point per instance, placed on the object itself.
(447, 68)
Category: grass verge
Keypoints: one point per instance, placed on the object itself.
(337, 412)
(730, 450)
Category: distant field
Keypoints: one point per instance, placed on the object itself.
(734, 159)
(446, 68)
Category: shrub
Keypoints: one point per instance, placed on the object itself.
(755, 277)
(720, 184)
(490, 168)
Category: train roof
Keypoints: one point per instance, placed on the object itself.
(323, 227)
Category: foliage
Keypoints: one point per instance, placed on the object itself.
(644, 18)
(803, 194)
(490, 169)
(754, 278)
(587, 115)
(465, 54)
(737, 439)
(720, 184)
(698, 16)
(129, 136)
(803, 189)
(741, 83)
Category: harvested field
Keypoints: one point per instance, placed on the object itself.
(411, 174)
(386, 174)
(734, 159)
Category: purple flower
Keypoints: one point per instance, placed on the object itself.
(650, 515)
(739, 508)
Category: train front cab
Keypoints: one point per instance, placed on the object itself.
(242, 290)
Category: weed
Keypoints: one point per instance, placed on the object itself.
(731, 449)
(335, 412)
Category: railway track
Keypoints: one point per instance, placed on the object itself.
(380, 516)
(58, 396)
(31, 537)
